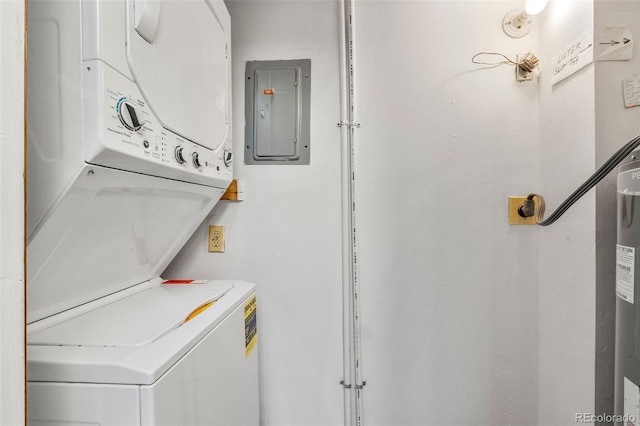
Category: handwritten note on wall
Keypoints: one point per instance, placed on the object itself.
(631, 89)
(573, 58)
(613, 44)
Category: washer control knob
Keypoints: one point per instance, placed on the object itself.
(178, 155)
(129, 116)
(195, 159)
(227, 157)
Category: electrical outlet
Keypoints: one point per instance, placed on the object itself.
(216, 239)
(515, 202)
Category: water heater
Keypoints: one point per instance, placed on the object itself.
(627, 346)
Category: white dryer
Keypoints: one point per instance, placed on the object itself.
(129, 148)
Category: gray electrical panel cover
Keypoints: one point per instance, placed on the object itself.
(277, 100)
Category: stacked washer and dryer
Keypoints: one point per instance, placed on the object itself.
(129, 149)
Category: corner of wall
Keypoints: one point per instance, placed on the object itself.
(567, 248)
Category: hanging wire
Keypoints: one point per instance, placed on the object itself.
(527, 62)
(507, 61)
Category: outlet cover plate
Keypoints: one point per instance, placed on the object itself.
(216, 239)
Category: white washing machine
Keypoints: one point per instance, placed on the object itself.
(129, 149)
(166, 354)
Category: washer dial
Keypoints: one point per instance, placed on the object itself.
(227, 157)
(195, 159)
(129, 116)
(178, 154)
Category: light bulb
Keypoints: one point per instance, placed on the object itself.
(533, 7)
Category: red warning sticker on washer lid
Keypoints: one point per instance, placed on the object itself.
(185, 281)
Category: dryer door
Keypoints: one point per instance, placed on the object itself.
(178, 53)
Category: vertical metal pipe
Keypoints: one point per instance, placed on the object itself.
(353, 382)
(348, 377)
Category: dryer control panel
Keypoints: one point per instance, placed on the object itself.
(128, 136)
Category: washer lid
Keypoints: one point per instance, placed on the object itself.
(178, 53)
(76, 362)
(137, 320)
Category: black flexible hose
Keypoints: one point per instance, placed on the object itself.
(604, 170)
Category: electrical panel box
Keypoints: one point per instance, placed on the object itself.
(277, 101)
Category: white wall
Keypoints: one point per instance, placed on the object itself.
(449, 289)
(567, 248)
(449, 317)
(11, 213)
(286, 236)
